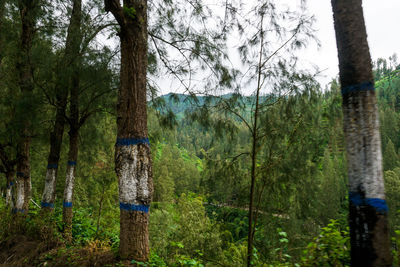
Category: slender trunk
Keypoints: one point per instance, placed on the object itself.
(9, 189)
(100, 209)
(69, 183)
(72, 157)
(132, 151)
(24, 68)
(23, 185)
(370, 243)
(64, 76)
(2, 7)
(251, 230)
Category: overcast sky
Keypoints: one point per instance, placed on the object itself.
(382, 18)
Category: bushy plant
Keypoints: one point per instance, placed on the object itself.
(183, 232)
(330, 248)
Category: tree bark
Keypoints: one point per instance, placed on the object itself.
(70, 182)
(2, 9)
(252, 228)
(24, 68)
(72, 154)
(132, 151)
(9, 189)
(370, 243)
(64, 76)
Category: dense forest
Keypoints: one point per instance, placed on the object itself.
(247, 164)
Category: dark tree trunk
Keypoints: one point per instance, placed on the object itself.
(2, 8)
(27, 11)
(100, 210)
(8, 168)
(252, 225)
(132, 150)
(9, 189)
(64, 76)
(70, 182)
(370, 243)
(72, 154)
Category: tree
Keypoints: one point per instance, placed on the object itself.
(73, 84)
(7, 148)
(390, 158)
(28, 10)
(7, 166)
(64, 72)
(370, 243)
(89, 94)
(132, 151)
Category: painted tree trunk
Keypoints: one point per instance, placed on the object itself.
(370, 243)
(69, 184)
(132, 151)
(9, 189)
(27, 10)
(49, 192)
(23, 186)
(133, 168)
(65, 73)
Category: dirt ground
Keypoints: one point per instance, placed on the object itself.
(20, 251)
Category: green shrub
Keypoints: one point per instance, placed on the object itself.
(330, 248)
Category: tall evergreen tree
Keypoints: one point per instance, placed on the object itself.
(73, 83)
(7, 166)
(370, 243)
(132, 151)
(65, 70)
(28, 10)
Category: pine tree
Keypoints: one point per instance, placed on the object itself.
(27, 10)
(132, 151)
(73, 84)
(64, 74)
(390, 157)
(370, 243)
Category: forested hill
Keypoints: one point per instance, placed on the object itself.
(181, 103)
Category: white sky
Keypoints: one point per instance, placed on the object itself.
(382, 19)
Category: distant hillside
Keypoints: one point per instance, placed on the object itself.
(179, 103)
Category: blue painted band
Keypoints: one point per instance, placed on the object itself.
(9, 185)
(366, 86)
(15, 210)
(52, 166)
(133, 207)
(132, 141)
(71, 163)
(379, 204)
(67, 204)
(20, 174)
(47, 205)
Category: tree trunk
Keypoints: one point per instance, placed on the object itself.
(100, 209)
(2, 8)
(252, 226)
(9, 193)
(370, 243)
(69, 183)
(27, 11)
(132, 151)
(64, 76)
(72, 155)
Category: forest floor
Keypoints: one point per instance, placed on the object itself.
(22, 251)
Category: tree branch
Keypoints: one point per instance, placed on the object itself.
(115, 8)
